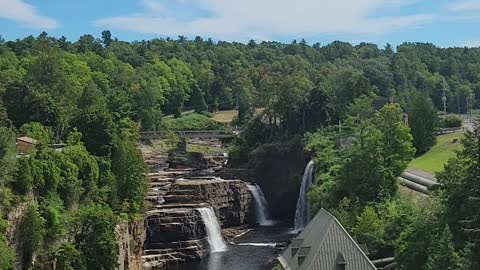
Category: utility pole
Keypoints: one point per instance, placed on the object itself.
(468, 108)
(444, 99)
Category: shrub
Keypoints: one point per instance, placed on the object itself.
(451, 121)
(38, 132)
(238, 152)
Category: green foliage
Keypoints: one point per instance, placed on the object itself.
(95, 122)
(460, 192)
(24, 178)
(6, 253)
(129, 170)
(192, 121)
(451, 121)
(38, 132)
(428, 244)
(423, 121)
(443, 254)
(69, 258)
(370, 170)
(52, 209)
(31, 232)
(74, 137)
(6, 199)
(7, 155)
(238, 153)
(369, 228)
(88, 171)
(198, 100)
(109, 89)
(93, 228)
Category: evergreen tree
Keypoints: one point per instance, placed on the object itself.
(198, 101)
(443, 255)
(423, 120)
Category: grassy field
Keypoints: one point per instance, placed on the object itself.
(227, 116)
(224, 116)
(434, 160)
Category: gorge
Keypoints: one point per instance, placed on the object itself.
(201, 221)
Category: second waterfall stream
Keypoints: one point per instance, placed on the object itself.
(214, 234)
(261, 205)
(303, 209)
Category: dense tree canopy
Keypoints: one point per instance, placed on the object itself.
(95, 95)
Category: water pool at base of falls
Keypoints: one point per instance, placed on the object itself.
(252, 251)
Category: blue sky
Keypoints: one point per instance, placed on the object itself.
(444, 23)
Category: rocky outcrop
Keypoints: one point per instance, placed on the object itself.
(130, 238)
(230, 199)
(181, 160)
(175, 231)
(14, 219)
(174, 236)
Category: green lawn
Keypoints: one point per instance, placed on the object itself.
(434, 160)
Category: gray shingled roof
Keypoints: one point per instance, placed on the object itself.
(324, 245)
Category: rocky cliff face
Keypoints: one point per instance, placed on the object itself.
(175, 231)
(130, 238)
(14, 219)
(278, 170)
(173, 236)
(231, 200)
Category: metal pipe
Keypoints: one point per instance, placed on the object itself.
(413, 185)
(383, 261)
(418, 179)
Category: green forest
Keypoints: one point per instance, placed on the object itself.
(348, 104)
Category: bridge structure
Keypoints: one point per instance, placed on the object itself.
(190, 134)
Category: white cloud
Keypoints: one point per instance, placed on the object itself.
(465, 5)
(25, 14)
(153, 6)
(264, 19)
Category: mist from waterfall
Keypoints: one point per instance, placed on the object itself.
(302, 213)
(261, 205)
(214, 234)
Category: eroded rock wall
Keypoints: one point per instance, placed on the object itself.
(278, 170)
(173, 236)
(231, 200)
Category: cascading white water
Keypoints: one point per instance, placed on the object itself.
(261, 205)
(302, 212)
(214, 235)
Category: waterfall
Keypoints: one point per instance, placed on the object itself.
(214, 235)
(302, 212)
(261, 205)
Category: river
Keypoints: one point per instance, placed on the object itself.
(251, 251)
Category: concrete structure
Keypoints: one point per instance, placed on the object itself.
(324, 245)
(25, 144)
